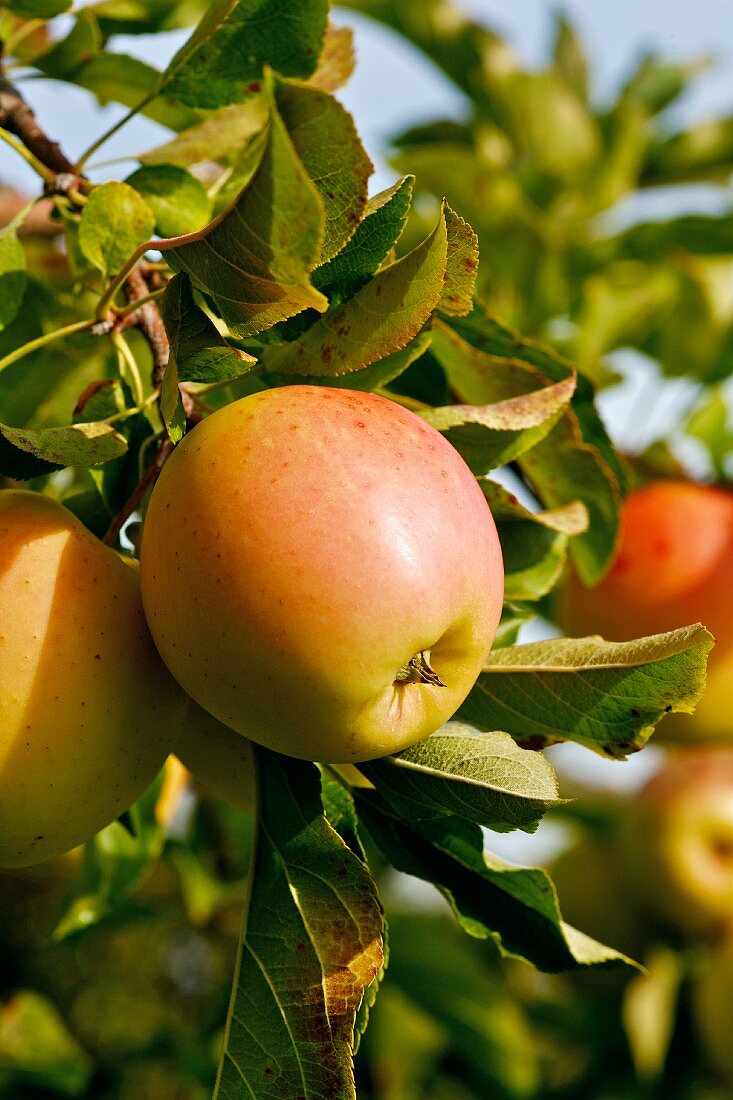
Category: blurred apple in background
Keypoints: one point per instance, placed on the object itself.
(673, 567)
(676, 842)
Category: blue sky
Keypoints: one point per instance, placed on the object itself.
(394, 87)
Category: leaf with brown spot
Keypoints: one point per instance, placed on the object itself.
(311, 947)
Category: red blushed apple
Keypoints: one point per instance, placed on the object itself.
(677, 842)
(321, 572)
(674, 567)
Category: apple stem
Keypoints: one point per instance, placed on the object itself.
(418, 671)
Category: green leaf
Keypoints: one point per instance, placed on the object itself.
(655, 84)
(29, 452)
(701, 153)
(214, 138)
(483, 777)
(533, 544)
(311, 946)
(374, 239)
(198, 352)
(382, 318)
(513, 618)
(462, 267)
(236, 41)
(39, 9)
(337, 60)
(66, 57)
(115, 862)
(576, 460)
(119, 78)
(325, 138)
(569, 56)
(710, 423)
(115, 220)
(254, 259)
(36, 1049)
(369, 378)
(516, 907)
(12, 276)
(178, 200)
(607, 696)
(510, 405)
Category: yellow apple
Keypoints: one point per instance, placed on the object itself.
(87, 708)
(677, 841)
(673, 567)
(321, 572)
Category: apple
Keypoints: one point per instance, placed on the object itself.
(677, 842)
(712, 1007)
(673, 567)
(321, 572)
(87, 708)
(219, 759)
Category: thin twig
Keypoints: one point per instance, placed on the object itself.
(148, 320)
(18, 118)
(146, 482)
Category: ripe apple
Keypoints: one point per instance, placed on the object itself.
(712, 1007)
(87, 708)
(321, 572)
(677, 841)
(673, 568)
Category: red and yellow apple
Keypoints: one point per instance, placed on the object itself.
(87, 708)
(677, 842)
(674, 567)
(321, 572)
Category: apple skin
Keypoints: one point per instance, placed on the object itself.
(87, 708)
(304, 544)
(712, 1007)
(677, 843)
(673, 568)
(221, 760)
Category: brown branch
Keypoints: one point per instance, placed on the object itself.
(146, 482)
(148, 320)
(17, 116)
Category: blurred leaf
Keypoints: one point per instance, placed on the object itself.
(337, 60)
(569, 56)
(115, 862)
(38, 9)
(178, 200)
(480, 1018)
(710, 423)
(115, 220)
(649, 1012)
(36, 1049)
(655, 84)
(258, 281)
(325, 138)
(703, 152)
(483, 777)
(381, 318)
(81, 44)
(12, 276)
(235, 42)
(516, 907)
(28, 452)
(513, 618)
(533, 545)
(198, 352)
(403, 1046)
(607, 696)
(701, 234)
(311, 946)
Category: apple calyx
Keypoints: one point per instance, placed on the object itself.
(418, 671)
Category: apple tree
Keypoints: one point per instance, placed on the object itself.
(243, 264)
